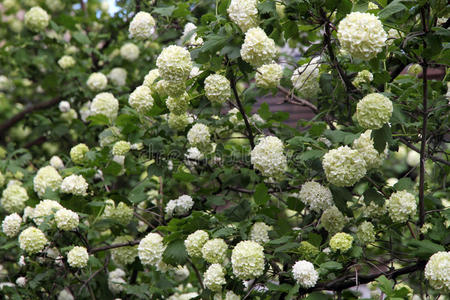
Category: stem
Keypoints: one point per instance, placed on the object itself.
(197, 273)
(298, 100)
(113, 246)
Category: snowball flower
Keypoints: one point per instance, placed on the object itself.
(174, 63)
(268, 76)
(258, 49)
(214, 251)
(66, 62)
(341, 242)
(21, 281)
(116, 281)
(247, 260)
(373, 111)
(194, 243)
(363, 76)
(78, 153)
(308, 251)
(178, 105)
(260, 232)
(244, 13)
(65, 295)
(362, 35)
(268, 157)
(44, 209)
(14, 198)
(118, 76)
(217, 88)
(214, 277)
(180, 206)
(78, 257)
(401, 205)
(121, 148)
(305, 274)
(142, 26)
(74, 184)
(170, 88)
(344, 166)
(124, 255)
(316, 196)
(437, 271)
(199, 136)
(105, 104)
(415, 69)
(46, 177)
(64, 106)
(151, 249)
(66, 219)
(179, 122)
(333, 220)
(365, 233)
(364, 145)
(36, 19)
(11, 225)
(32, 240)
(129, 52)
(141, 99)
(123, 213)
(97, 82)
(189, 30)
(150, 78)
(305, 80)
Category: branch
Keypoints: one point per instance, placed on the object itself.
(113, 246)
(433, 158)
(298, 100)
(20, 116)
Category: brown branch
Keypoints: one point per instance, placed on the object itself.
(298, 100)
(197, 273)
(105, 265)
(433, 158)
(113, 246)
(21, 115)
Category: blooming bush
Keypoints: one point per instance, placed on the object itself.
(232, 149)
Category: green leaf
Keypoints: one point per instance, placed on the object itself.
(394, 7)
(341, 196)
(425, 248)
(261, 195)
(267, 7)
(385, 285)
(287, 246)
(317, 129)
(98, 120)
(164, 11)
(318, 296)
(81, 38)
(381, 137)
(214, 42)
(141, 291)
(331, 265)
(183, 176)
(279, 287)
(175, 253)
(371, 195)
(404, 184)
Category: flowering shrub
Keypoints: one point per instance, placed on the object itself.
(230, 149)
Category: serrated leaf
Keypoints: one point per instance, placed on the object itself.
(371, 195)
(404, 184)
(164, 11)
(81, 38)
(381, 137)
(261, 195)
(175, 253)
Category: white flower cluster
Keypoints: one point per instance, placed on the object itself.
(118, 76)
(194, 243)
(179, 206)
(97, 82)
(46, 177)
(437, 271)
(122, 213)
(124, 255)
(268, 157)
(44, 209)
(66, 62)
(305, 80)
(78, 153)
(32, 240)
(66, 219)
(105, 104)
(178, 105)
(316, 196)
(121, 148)
(258, 49)
(363, 76)
(214, 277)
(365, 233)
(129, 51)
(36, 19)
(142, 26)
(247, 260)
(151, 249)
(74, 184)
(141, 99)
(21, 281)
(5, 83)
(189, 30)
(214, 251)
(11, 225)
(344, 166)
(199, 136)
(373, 111)
(305, 274)
(14, 198)
(150, 78)
(64, 106)
(243, 13)
(268, 76)
(179, 122)
(341, 241)
(54, 5)
(116, 281)
(65, 294)
(174, 63)
(362, 35)
(333, 220)
(260, 232)
(78, 257)
(170, 88)
(401, 205)
(364, 145)
(217, 88)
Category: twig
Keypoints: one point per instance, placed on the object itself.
(197, 273)
(433, 158)
(298, 100)
(95, 274)
(113, 246)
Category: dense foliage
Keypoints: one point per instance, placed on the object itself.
(136, 164)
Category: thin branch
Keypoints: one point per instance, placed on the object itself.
(433, 158)
(113, 246)
(298, 100)
(197, 273)
(105, 265)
